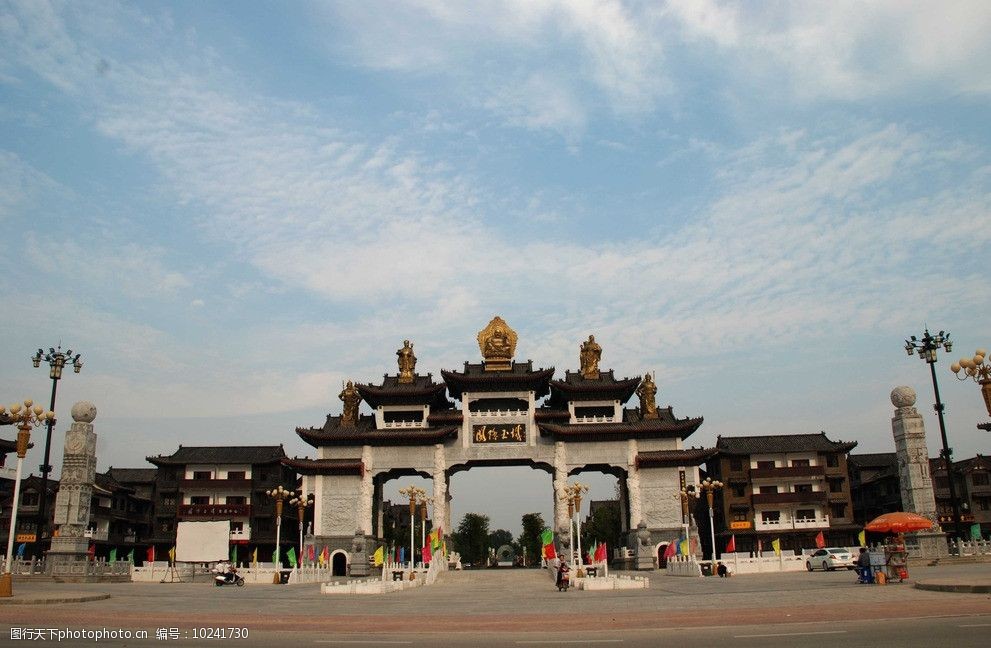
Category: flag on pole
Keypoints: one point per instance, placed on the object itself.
(776, 545)
(731, 545)
(275, 558)
(591, 551)
(820, 540)
(550, 553)
(150, 554)
(130, 556)
(113, 555)
(325, 555)
(311, 553)
(91, 552)
(21, 549)
(172, 555)
(671, 549)
(233, 554)
(760, 546)
(547, 540)
(425, 554)
(975, 529)
(379, 556)
(291, 555)
(862, 538)
(254, 556)
(402, 554)
(438, 534)
(600, 552)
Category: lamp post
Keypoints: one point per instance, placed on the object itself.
(25, 417)
(57, 361)
(978, 370)
(573, 495)
(709, 487)
(927, 347)
(423, 521)
(279, 494)
(301, 503)
(688, 495)
(414, 493)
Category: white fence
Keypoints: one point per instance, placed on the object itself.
(99, 567)
(970, 547)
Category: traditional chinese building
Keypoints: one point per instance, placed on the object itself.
(497, 412)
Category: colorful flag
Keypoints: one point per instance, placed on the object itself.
(233, 554)
(311, 553)
(776, 545)
(600, 552)
(379, 556)
(172, 554)
(291, 555)
(591, 552)
(130, 556)
(425, 554)
(438, 534)
(547, 539)
(150, 554)
(862, 538)
(975, 529)
(91, 552)
(683, 547)
(275, 558)
(760, 546)
(325, 556)
(113, 555)
(254, 556)
(820, 540)
(731, 545)
(550, 552)
(21, 549)
(671, 549)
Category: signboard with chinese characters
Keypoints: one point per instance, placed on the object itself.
(26, 537)
(498, 433)
(745, 524)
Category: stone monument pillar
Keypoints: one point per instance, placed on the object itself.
(68, 556)
(359, 555)
(916, 483)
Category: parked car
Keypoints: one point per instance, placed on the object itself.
(829, 559)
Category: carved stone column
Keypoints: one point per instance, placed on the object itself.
(562, 526)
(68, 555)
(440, 488)
(633, 484)
(364, 513)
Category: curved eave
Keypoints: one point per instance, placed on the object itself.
(621, 390)
(535, 381)
(326, 466)
(652, 429)
(355, 437)
(376, 396)
(674, 458)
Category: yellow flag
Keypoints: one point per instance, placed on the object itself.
(172, 554)
(379, 556)
(776, 545)
(862, 537)
(254, 556)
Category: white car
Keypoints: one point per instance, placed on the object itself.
(829, 559)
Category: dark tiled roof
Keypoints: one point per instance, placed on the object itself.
(632, 427)
(133, 475)
(550, 414)
(576, 387)
(672, 458)
(364, 433)
(107, 482)
(5, 419)
(522, 377)
(748, 445)
(978, 462)
(874, 460)
(8, 446)
(422, 391)
(306, 466)
(221, 455)
(445, 416)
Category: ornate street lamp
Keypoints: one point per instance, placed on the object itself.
(709, 487)
(301, 503)
(415, 494)
(978, 370)
(927, 347)
(279, 494)
(573, 496)
(57, 360)
(24, 417)
(688, 495)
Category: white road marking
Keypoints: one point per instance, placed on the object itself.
(790, 634)
(571, 641)
(977, 625)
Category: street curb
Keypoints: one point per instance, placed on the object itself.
(49, 600)
(984, 588)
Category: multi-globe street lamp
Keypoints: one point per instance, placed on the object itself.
(301, 503)
(24, 417)
(709, 487)
(573, 496)
(927, 348)
(279, 494)
(688, 495)
(977, 369)
(57, 360)
(415, 495)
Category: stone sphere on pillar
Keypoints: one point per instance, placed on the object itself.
(903, 396)
(83, 412)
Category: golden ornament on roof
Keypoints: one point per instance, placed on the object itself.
(497, 342)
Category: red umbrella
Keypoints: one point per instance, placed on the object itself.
(899, 522)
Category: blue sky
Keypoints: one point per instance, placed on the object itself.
(230, 208)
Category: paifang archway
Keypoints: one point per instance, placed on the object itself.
(487, 414)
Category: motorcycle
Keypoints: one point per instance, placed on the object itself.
(228, 578)
(563, 580)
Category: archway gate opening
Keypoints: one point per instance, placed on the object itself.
(488, 414)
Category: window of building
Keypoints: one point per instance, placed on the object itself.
(769, 489)
(805, 514)
(168, 501)
(202, 474)
(237, 499)
(770, 516)
(199, 499)
(837, 510)
(942, 482)
(799, 463)
(29, 499)
(983, 503)
(236, 474)
(832, 461)
(237, 527)
(26, 526)
(739, 490)
(836, 486)
(740, 516)
(803, 488)
(166, 527)
(979, 479)
(735, 463)
(765, 465)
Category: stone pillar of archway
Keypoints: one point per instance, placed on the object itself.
(562, 525)
(365, 494)
(633, 484)
(440, 487)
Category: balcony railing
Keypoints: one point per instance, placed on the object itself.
(789, 523)
(96, 535)
(242, 535)
(497, 413)
(404, 424)
(811, 497)
(214, 510)
(215, 484)
(786, 472)
(605, 418)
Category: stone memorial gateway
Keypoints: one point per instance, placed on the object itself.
(488, 415)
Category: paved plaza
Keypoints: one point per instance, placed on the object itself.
(490, 607)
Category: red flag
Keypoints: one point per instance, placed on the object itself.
(671, 550)
(820, 541)
(549, 551)
(760, 546)
(425, 554)
(601, 553)
(731, 545)
(150, 555)
(91, 552)
(325, 555)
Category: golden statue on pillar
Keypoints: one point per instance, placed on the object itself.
(646, 392)
(407, 363)
(497, 342)
(589, 357)
(351, 398)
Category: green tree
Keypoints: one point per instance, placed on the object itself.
(472, 538)
(500, 537)
(529, 540)
(604, 526)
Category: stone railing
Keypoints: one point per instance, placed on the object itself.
(99, 567)
(970, 547)
(404, 424)
(605, 418)
(498, 413)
